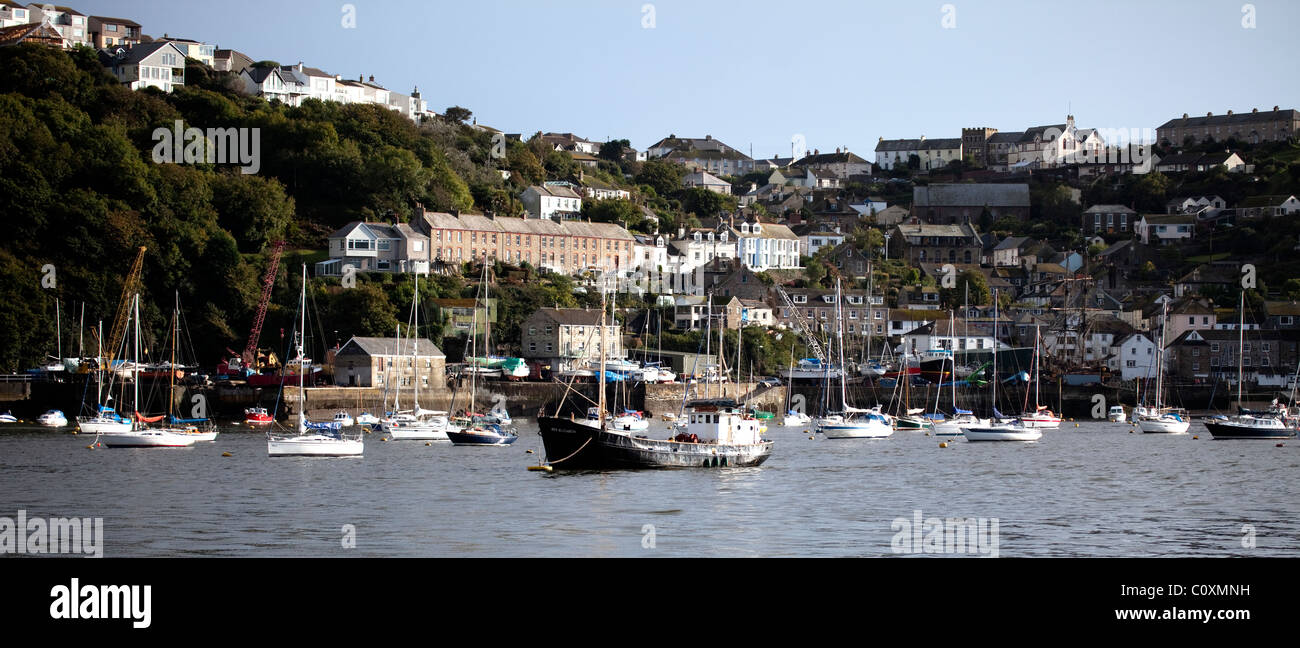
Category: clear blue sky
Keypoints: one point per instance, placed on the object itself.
(759, 72)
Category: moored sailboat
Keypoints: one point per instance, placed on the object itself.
(317, 442)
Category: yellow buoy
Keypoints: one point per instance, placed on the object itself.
(90, 447)
(383, 438)
(426, 443)
(1076, 425)
(1194, 437)
(811, 437)
(528, 452)
(943, 444)
(540, 468)
(226, 454)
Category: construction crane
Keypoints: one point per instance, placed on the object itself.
(268, 282)
(129, 287)
(801, 326)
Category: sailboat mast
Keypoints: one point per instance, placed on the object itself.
(995, 348)
(1160, 355)
(866, 352)
(171, 369)
(135, 369)
(600, 373)
(708, 344)
(58, 329)
(839, 319)
(1038, 364)
(415, 347)
(302, 355)
(1241, 339)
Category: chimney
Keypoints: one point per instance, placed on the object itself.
(1274, 108)
(372, 78)
(1184, 115)
(1254, 111)
(1229, 113)
(1209, 114)
(708, 138)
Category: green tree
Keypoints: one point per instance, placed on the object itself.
(661, 175)
(614, 150)
(457, 115)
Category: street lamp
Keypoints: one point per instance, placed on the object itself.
(887, 246)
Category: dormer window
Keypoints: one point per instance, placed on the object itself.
(757, 228)
(697, 236)
(800, 299)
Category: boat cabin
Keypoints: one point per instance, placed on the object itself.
(721, 421)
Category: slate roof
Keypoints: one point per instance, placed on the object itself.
(1233, 119)
(968, 194)
(373, 346)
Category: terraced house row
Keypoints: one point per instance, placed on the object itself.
(435, 240)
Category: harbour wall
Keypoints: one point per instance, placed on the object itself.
(225, 401)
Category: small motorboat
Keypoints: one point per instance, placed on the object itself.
(1117, 414)
(366, 418)
(482, 435)
(53, 418)
(796, 419)
(344, 419)
(257, 416)
(8, 417)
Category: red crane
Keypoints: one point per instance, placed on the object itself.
(268, 282)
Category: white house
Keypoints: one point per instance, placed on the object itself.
(708, 181)
(376, 247)
(72, 24)
(767, 246)
(286, 85)
(939, 335)
(1165, 228)
(553, 201)
(1134, 357)
(157, 65)
(650, 255)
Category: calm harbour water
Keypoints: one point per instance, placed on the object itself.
(1095, 490)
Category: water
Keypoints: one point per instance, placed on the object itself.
(1095, 490)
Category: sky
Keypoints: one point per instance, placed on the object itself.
(758, 74)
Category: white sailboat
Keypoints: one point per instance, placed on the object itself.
(139, 436)
(1041, 417)
(851, 422)
(996, 430)
(416, 424)
(323, 443)
(1161, 420)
